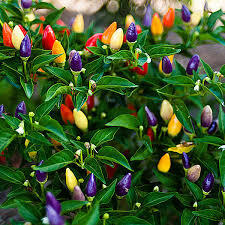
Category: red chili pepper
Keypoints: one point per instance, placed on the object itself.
(2, 158)
(111, 171)
(66, 114)
(132, 108)
(150, 133)
(90, 102)
(22, 29)
(141, 71)
(92, 41)
(168, 18)
(7, 35)
(61, 23)
(69, 102)
(48, 38)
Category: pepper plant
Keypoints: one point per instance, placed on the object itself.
(108, 127)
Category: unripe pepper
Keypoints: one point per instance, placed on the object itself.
(193, 64)
(194, 173)
(80, 120)
(53, 217)
(185, 14)
(166, 65)
(66, 114)
(174, 126)
(92, 41)
(123, 185)
(131, 34)
(21, 108)
(166, 111)
(213, 127)
(25, 47)
(41, 176)
(75, 63)
(128, 20)
(107, 34)
(160, 64)
(78, 24)
(206, 116)
(168, 18)
(164, 163)
(7, 35)
(116, 40)
(53, 202)
(150, 133)
(185, 160)
(156, 27)
(152, 120)
(71, 180)
(207, 184)
(78, 194)
(18, 36)
(48, 38)
(147, 20)
(26, 4)
(91, 188)
(69, 102)
(90, 102)
(57, 48)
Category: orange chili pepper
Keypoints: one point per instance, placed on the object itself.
(106, 36)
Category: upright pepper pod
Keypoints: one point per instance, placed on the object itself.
(80, 120)
(90, 102)
(156, 27)
(168, 18)
(213, 127)
(69, 102)
(152, 120)
(25, 48)
(132, 34)
(61, 23)
(71, 180)
(206, 116)
(174, 126)
(147, 20)
(66, 114)
(195, 18)
(194, 173)
(106, 36)
(141, 71)
(78, 194)
(53, 202)
(18, 36)
(26, 4)
(186, 161)
(166, 111)
(128, 20)
(150, 133)
(123, 185)
(207, 184)
(78, 24)
(40, 175)
(7, 35)
(185, 14)
(164, 163)
(193, 64)
(57, 48)
(75, 63)
(2, 110)
(111, 170)
(21, 108)
(54, 218)
(48, 38)
(166, 65)
(92, 41)
(116, 40)
(91, 187)
(160, 64)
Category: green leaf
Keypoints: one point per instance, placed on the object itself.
(72, 205)
(179, 80)
(187, 217)
(185, 199)
(126, 120)
(12, 121)
(93, 166)
(183, 114)
(81, 98)
(104, 196)
(216, 91)
(141, 154)
(38, 138)
(131, 220)
(51, 18)
(112, 154)
(161, 51)
(142, 37)
(195, 189)
(222, 69)
(57, 89)
(213, 18)
(123, 54)
(27, 86)
(65, 41)
(12, 9)
(11, 175)
(4, 57)
(95, 66)
(207, 69)
(96, 50)
(221, 120)
(43, 5)
(56, 161)
(210, 140)
(155, 198)
(209, 214)
(103, 136)
(5, 139)
(3, 15)
(222, 168)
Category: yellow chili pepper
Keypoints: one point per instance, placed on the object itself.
(117, 39)
(195, 18)
(26, 143)
(71, 180)
(80, 120)
(78, 24)
(157, 26)
(32, 155)
(160, 64)
(106, 36)
(128, 20)
(164, 163)
(17, 37)
(166, 111)
(174, 126)
(57, 48)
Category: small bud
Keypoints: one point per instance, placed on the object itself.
(193, 64)
(194, 173)
(21, 108)
(166, 111)
(195, 205)
(152, 120)
(91, 188)
(41, 176)
(106, 216)
(166, 65)
(90, 93)
(156, 189)
(123, 185)
(138, 204)
(78, 138)
(104, 186)
(206, 116)
(78, 194)
(164, 163)
(26, 183)
(81, 180)
(207, 184)
(78, 152)
(32, 174)
(185, 160)
(185, 14)
(53, 202)
(103, 115)
(31, 114)
(87, 145)
(213, 127)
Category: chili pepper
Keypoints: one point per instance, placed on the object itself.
(41, 29)
(131, 107)
(66, 114)
(141, 71)
(48, 38)
(168, 18)
(139, 30)
(160, 64)
(80, 120)
(61, 23)
(116, 40)
(193, 65)
(2, 110)
(128, 20)
(71, 55)
(186, 131)
(57, 48)
(69, 102)
(152, 120)
(17, 36)
(206, 116)
(207, 184)
(213, 127)
(185, 14)
(78, 24)
(40, 175)
(194, 173)
(78, 194)
(21, 108)
(150, 133)
(107, 34)
(25, 47)
(53, 202)
(132, 34)
(32, 154)
(92, 41)
(91, 188)
(123, 185)
(156, 26)
(195, 18)
(174, 126)
(53, 217)
(71, 180)
(7, 35)
(26, 4)
(75, 63)
(2, 158)
(111, 170)
(185, 160)
(71, 22)
(166, 111)
(90, 102)
(164, 163)
(166, 65)
(147, 20)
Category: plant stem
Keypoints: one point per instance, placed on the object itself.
(25, 69)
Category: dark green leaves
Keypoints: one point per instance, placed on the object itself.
(210, 140)
(131, 220)
(5, 139)
(72, 205)
(57, 89)
(123, 54)
(221, 120)
(27, 86)
(207, 69)
(222, 168)
(179, 80)
(187, 217)
(209, 214)
(54, 16)
(195, 189)
(213, 18)
(161, 50)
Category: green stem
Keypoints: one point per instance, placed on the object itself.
(42, 190)
(25, 69)
(38, 196)
(81, 159)
(1, 23)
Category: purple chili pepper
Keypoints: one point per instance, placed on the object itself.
(186, 161)
(53, 217)
(21, 108)
(166, 65)
(91, 186)
(25, 47)
(40, 175)
(185, 14)
(132, 34)
(75, 63)
(123, 185)
(193, 64)
(208, 183)
(26, 4)
(2, 110)
(206, 116)
(78, 194)
(71, 22)
(152, 120)
(51, 200)
(147, 20)
(71, 55)
(213, 127)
